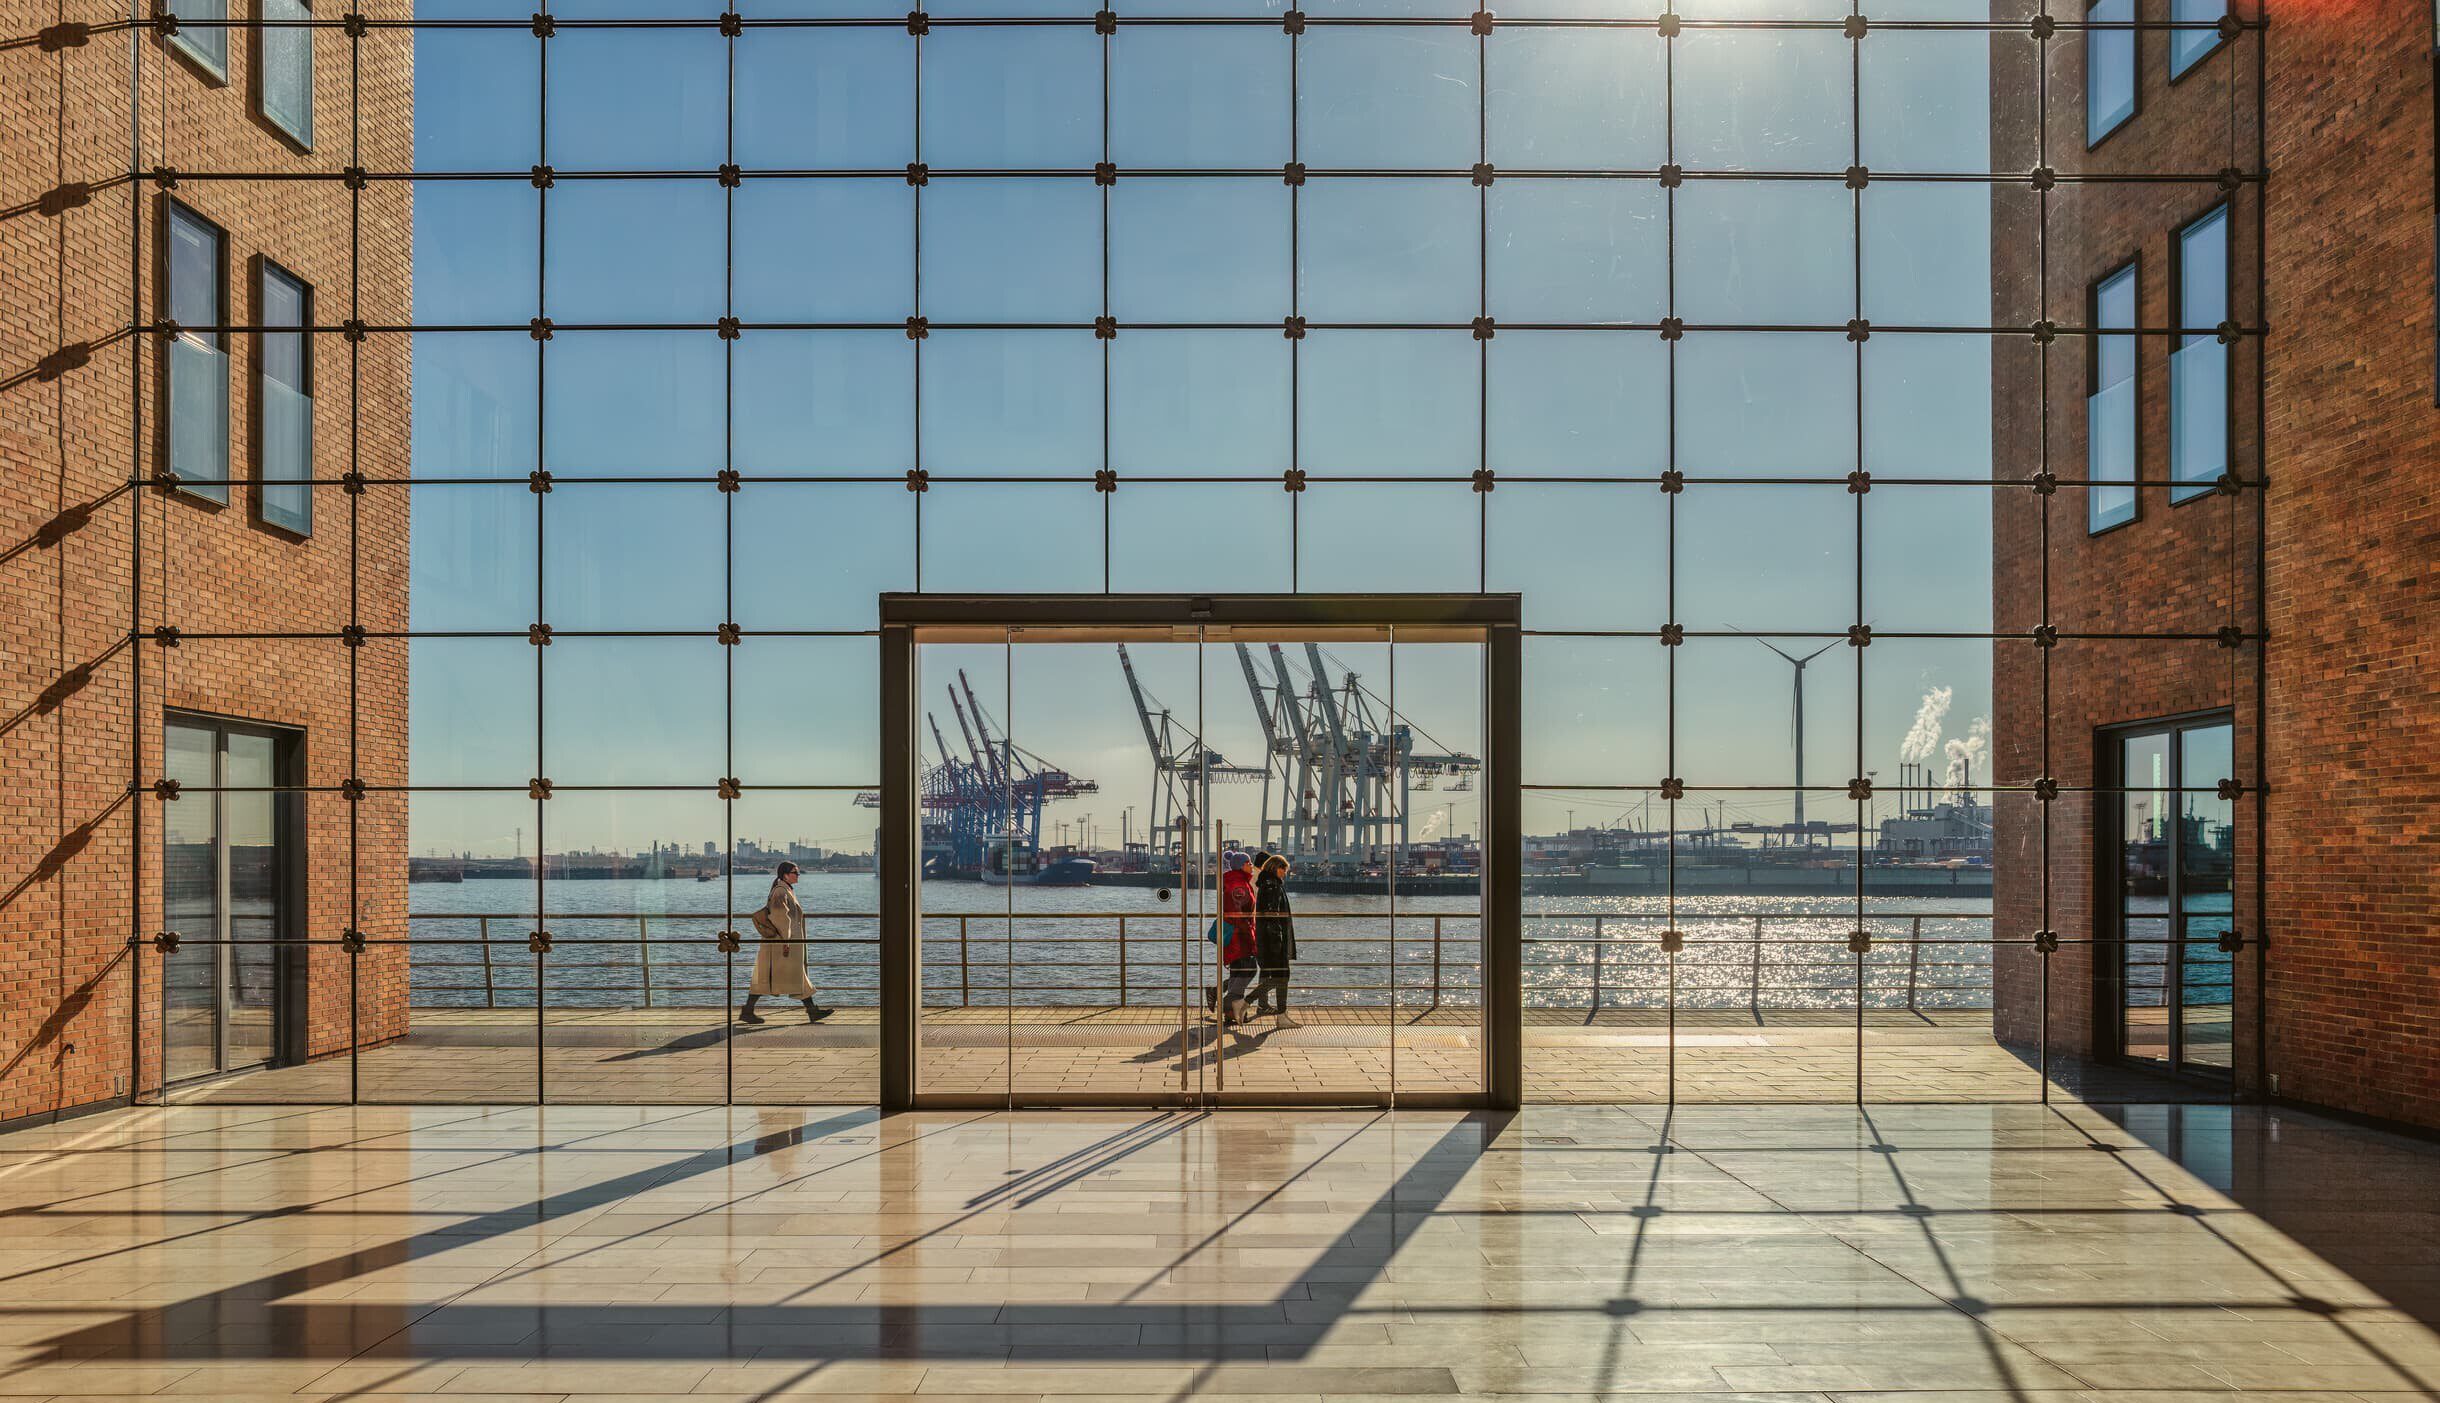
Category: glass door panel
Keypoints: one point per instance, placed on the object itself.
(2206, 888)
(1435, 862)
(2146, 939)
(250, 812)
(968, 924)
(191, 904)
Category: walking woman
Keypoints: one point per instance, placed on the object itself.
(1274, 937)
(779, 959)
(1234, 933)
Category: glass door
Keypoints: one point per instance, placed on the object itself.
(2174, 878)
(225, 883)
(1193, 866)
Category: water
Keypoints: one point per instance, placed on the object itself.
(1062, 947)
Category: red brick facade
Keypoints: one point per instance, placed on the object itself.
(87, 559)
(2346, 431)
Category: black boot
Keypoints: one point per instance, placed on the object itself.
(815, 1013)
(747, 1014)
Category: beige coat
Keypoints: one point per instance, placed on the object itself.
(779, 965)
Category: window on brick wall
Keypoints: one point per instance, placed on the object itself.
(196, 268)
(284, 69)
(2110, 404)
(2199, 367)
(2109, 69)
(206, 43)
(284, 399)
(2188, 47)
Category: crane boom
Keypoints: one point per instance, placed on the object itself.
(1262, 709)
(1143, 711)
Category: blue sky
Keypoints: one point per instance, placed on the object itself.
(1193, 404)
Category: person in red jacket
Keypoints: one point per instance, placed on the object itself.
(1236, 932)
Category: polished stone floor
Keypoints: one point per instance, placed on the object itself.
(2011, 1254)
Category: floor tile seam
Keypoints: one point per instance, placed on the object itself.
(1978, 1321)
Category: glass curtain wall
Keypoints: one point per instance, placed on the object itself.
(1750, 342)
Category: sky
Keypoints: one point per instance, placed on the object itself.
(1187, 404)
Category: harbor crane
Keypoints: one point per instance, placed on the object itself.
(1177, 752)
(994, 793)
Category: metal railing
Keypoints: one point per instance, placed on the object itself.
(1429, 960)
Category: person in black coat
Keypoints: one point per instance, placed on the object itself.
(1274, 937)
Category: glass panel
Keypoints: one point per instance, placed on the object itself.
(1766, 405)
(819, 555)
(633, 404)
(2109, 408)
(1596, 977)
(191, 906)
(1768, 253)
(493, 119)
(1578, 403)
(2199, 367)
(2187, 46)
(476, 245)
(637, 989)
(1576, 99)
(969, 951)
(472, 547)
(1584, 556)
(199, 417)
(207, 44)
(470, 903)
(1037, 537)
(1434, 740)
(634, 711)
(257, 900)
(1012, 251)
(476, 405)
(629, 557)
(1927, 559)
(1233, 234)
(2109, 68)
(2146, 811)
(1764, 100)
(1927, 100)
(822, 97)
(1199, 97)
(638, 100)
(1931, 973)
(1597, 712)
(830, 838)
(1389, 402)
(1760, 558)
(287, 80)
(1578, 251)
(1767, 984)
(1200, 403)
(1011, 402)
(823, 251)
(1387, 98)
(634, 251)
(1012, 98)
(1389, 251)
(802, 710)
(816, 402)
(2207, 866)
(1363, 536)
(287, 456)
(1188, 538)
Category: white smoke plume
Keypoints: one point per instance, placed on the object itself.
(1923, 737)
(1963, 755)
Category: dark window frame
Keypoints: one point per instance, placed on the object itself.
(2134, 77)
(171, 211)
(2110, 914)
(2182, 491)
(300, 140)
(266, 269)
(2201, 56)
(2131, 267)
(212, 69)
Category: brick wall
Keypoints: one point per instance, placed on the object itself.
(79, 857)
(2347, 434)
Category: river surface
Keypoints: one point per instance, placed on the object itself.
(1062, 946)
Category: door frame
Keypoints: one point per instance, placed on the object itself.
(2110, 977)
(1495, 620)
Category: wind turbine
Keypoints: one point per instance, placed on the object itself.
(1799, 665)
